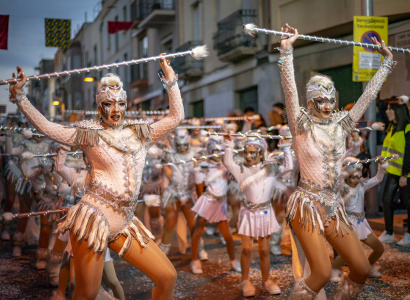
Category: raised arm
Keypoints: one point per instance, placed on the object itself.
(68, 174)
(378, 178)
(54, 131)
(228, 160)
(374, 86)
(288, 78)
(176, 108)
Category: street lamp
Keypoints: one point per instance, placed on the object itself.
(88, 79)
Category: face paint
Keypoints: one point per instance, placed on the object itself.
(182, 148)
(252, 156)
(113, 112)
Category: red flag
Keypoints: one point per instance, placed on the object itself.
(4, 31)
(114, 26)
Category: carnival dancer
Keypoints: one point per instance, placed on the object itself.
(256, 178)
(353, 187)
(152, 188)
(315, 210)
(211, 206)
(116, 150)
(77, 177)
(284, 187)
(180, 192)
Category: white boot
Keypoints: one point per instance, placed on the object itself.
(271, 287)
(54, 265)
(374, 272)
(42, 258)
(202, 254)
(7, 218)
(336, 275)
(165, 248)
(196, 267)
(248, 290)
(18, 243)
(236, 266)
(386, 238)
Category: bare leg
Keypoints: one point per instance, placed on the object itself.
(189, 215)
(110, 279)
(155, 222)
(378, 249)
(235, 205)
(45, 232)
(88, 270)
(171, 217)
(196, 236)
(350, 249)
(223, 227)
(314, 246)
(247, 242)
(154, 263)
(64, 274)
(264, 247)
(139, 212)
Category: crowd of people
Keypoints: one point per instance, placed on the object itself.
(131, 184)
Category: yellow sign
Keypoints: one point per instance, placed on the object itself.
(366, 61)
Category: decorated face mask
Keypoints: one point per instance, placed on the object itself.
(322, 98)
(252, 155)
(354, 172)
(182, 140)
(112, 104)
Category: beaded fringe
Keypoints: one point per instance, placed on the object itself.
(309, 216)
(135, 229)
(88, 223)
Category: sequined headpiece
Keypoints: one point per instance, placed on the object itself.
(256, 142)
(110, 92)
(182, 137)
(319, 91)
(214, 143)
(351, 167)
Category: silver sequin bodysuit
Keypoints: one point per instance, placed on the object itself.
(320, 148)
(117, 158)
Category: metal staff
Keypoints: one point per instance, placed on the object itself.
(127, 113)
(224, 119)
(252, 134)
(55, 154)
(251, 29)
(203, 157)
(38, 213)
(199, 127)
(365, 161)
(197, 53)
(4, 128)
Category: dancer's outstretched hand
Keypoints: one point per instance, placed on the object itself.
(16, 88)
(166, 68)
(287, 42)
(383, 51)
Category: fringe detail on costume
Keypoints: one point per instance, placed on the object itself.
(303, 120)
(85, 137)
(88, 223)
(152, 200)
(136, 230)
(214, 176)
(347, 289)
(233, 189)
(23, 186)
(279, 190)
(302, 291)
(142, 131)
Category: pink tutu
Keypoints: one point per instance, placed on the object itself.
(211, 209)
(362, 228)
(256, 224)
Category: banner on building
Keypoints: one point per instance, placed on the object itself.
(115, 26)
(58, 33)
(4, 31)
(366, 61)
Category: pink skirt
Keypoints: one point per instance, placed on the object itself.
(257, 224)
(211, 209)
(362, 228)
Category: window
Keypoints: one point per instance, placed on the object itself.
(248, 98)
(197, 109)
(143, 52)
(196, 20)
(124, 12)
(2, 109)
(116, 37)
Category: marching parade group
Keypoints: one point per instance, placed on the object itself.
(99, 184)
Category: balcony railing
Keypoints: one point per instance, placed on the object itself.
(146, 7)
(186, 66)
(230, 36)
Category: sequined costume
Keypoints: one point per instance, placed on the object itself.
(353, 198)
(256, 216)
(212, 204)
(319, 145)
(181, 185)
(116, 155)
(152, 184)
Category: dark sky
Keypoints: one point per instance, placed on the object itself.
(26, 42)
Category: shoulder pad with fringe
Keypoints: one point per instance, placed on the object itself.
(86, 134)
(141, 128)
(344, 118)
(303, 120)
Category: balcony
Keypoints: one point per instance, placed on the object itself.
(139, 76)
(230, 42)
(154, 13)
(187, 67)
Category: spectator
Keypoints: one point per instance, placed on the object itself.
(276, 116)
(247, 124)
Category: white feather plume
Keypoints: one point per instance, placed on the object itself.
(250, 29)
(152, 200)
(404, 99)
(200, 52)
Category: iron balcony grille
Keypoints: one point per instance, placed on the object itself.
(145, 8)
(187, 63)
(230, 33)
